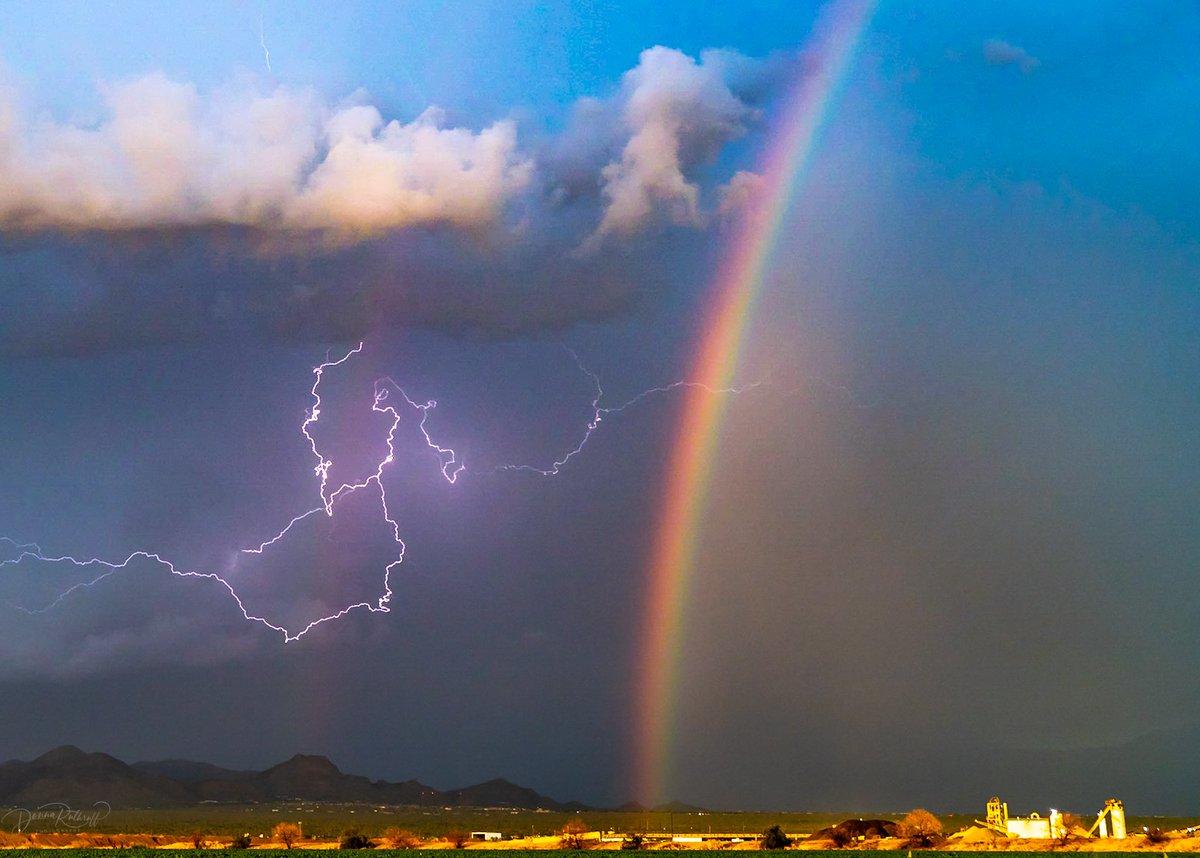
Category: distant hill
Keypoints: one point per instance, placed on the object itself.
(311, 778)
(502, 793)
(678, 807)
(70, 775)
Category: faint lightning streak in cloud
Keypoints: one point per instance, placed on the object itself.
(31, 550)
(262, 40)
(848, 394)
(599, 411)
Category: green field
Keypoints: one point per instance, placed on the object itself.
(517, 853)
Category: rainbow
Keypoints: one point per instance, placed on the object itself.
(734, 292)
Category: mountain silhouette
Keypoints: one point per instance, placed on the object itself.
(81, 779)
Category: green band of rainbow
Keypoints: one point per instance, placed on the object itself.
(734, 292)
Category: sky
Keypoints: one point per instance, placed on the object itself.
(942, 535)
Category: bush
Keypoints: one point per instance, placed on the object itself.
(458, 839)
(921, 828)
(632, 841)
(572, 834)
(242, 841)
(197, 840)
(774, 838)
(399, 838)
(352, 839)
(286, 833)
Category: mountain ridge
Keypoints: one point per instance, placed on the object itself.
(68, 774)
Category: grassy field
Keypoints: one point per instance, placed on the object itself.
(479, 853)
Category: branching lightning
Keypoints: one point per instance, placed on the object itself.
(389, 399)
(598, 413)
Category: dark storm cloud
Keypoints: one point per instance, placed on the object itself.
(117, 625)
(99, 292)
(186, 218)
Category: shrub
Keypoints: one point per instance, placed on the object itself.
(572, 834)
(632, 841)
(399, 838)
(921, 828)
(242, 841)
(352, 839)
(458, 839)
(774, 838)
(197, 838)
(286, 833)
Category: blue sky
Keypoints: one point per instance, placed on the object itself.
(966, 479)
(406, 54)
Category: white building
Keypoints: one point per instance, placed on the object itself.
(1035, 826)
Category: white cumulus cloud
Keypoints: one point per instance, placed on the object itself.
(165, 156)
(678, 111)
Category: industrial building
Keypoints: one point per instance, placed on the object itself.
(1110, 822)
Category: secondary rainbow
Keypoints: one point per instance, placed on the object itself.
(733, 296)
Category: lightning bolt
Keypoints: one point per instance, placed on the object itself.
(446, 456)
(389, 399)
(262, 41)
(599, 412)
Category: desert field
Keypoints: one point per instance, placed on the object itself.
(321, 827)
(325, 821)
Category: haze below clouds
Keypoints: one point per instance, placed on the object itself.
(949, 546)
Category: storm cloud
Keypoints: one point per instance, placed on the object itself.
(272, 213)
